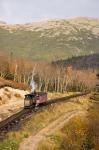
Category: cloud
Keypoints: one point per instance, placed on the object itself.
(21, 11)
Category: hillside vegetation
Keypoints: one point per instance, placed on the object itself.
(40, 120)
(79, 134)
(48, 77)
(52, 39)
(80, 62)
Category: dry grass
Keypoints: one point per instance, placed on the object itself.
(68, 138)
(95, 96)
(47, 145)
(11, 101)
(8, 95)
(78, 134)
(58, 94)
(43, 118)
(2, 101)
(13, 84)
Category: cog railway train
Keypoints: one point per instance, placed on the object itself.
(35, 99)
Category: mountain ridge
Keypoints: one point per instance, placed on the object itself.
(51, 39)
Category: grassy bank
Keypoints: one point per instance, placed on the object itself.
(40, 120)
(78, 134)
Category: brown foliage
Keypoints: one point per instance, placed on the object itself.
(48, 77)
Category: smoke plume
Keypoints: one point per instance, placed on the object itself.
(33, 85)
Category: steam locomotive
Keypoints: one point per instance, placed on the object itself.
(35, 99)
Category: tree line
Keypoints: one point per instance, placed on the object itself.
(48, 77)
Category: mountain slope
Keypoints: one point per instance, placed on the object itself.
(52, 39)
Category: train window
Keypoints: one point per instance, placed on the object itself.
(28, 97)
(26, 102)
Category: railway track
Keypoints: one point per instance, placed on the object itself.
(8, 123)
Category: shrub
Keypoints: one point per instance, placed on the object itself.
(0, 98)
(9, 145)
(6, 89)
(8, 95)
(17, 95)
(88, 143)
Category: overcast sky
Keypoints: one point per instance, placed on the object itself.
(22, 11)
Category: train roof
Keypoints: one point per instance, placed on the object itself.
(36, 93)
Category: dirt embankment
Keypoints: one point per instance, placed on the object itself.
(11, 101)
